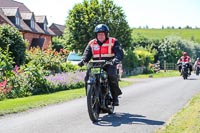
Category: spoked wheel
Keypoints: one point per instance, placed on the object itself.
(185, 76)
(93, 102)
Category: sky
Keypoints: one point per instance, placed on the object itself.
(139, 13)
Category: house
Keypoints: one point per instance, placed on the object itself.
(57, 29)
(33, 28)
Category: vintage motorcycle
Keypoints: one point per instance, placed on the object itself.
(197, 68)
(99, 98)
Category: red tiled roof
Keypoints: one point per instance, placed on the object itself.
(57, 29)
(38, 29)
(49, 31)
(12, 3)
(23, 26)
(41, 19)
(27, 15)
(5, 18)
(60, 27)
(10, 8)
(10, 11)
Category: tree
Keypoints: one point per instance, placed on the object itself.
(130, 60)
(169, 49)
(57, 43)
(140, 41)
(85, 16)
(12, 37)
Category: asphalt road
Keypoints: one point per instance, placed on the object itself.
(144, 107)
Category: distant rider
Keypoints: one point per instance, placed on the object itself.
(197, 63)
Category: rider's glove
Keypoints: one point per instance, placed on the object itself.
(115, 61)
(81, 63)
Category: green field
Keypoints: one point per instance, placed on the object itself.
(188, 34)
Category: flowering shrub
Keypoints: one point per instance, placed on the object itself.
(64, 81)
(51, 60)
(29, 79)
(6, 66)
(48, 59)
(4, 89)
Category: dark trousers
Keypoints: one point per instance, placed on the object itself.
(112, 79)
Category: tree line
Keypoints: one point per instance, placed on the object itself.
(139, 50)
(167, 27)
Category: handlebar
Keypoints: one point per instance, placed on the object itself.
(99, 63)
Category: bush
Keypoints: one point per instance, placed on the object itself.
(49, 59)
(144, 56)
(6, 64)
(130, 60)
(28, 80)
(10, 36)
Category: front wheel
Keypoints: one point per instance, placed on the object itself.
(197, 71)
(185, 75)
(93, 102)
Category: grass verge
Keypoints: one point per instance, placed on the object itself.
(22, 104)
(186, 120)
(161, 74)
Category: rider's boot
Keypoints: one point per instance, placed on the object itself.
(115, 101)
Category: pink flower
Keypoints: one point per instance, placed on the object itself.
(4, 88)
(3, 84)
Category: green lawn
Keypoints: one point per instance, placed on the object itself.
(23, 104)
(187, 34)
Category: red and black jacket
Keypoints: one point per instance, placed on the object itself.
(185, 59)
(109, 50)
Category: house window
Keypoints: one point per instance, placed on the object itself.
(17, 20)
(32, 24)
(45, 26)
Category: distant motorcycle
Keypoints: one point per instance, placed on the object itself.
(197, 68)
(99, 98)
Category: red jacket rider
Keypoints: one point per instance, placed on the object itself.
(185, 58)
(197, 63)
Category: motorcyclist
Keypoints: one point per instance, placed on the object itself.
(103, 47)
(197, 63)
(185, 58)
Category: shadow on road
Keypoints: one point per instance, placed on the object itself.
(118, 119)
(192, 79)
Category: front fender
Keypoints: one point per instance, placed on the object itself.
(91, 80)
